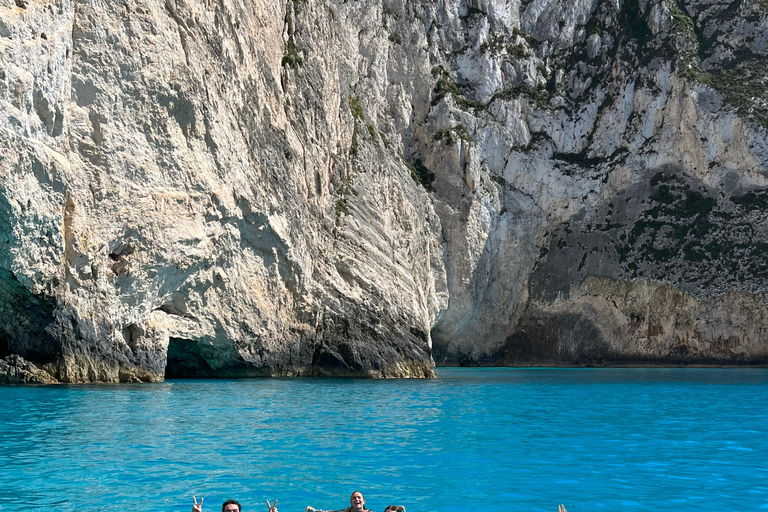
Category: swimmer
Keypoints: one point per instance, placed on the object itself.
(228, 506)
(356, 504)
(397, 508)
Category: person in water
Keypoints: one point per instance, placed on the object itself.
(396, 508)
(229, 506)
(356, 504)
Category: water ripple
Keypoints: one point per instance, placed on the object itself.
(525, 439)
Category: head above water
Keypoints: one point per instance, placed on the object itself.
(231, 506)
(394, 508)
(357, 501)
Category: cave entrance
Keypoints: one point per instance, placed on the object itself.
(5, 349)
(185, 360)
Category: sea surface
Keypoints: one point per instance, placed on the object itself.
(471, 439)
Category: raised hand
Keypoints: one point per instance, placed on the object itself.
(273, 507)
(197, 507)
(561, 508)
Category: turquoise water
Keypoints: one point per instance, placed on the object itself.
(489, 439)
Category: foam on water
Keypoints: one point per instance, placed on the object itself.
(490, 439)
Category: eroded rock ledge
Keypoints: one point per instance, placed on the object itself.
(15, 370)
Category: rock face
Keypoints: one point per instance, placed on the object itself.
(325, 187)
(15, 370)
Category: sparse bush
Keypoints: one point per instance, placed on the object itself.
(291, 57)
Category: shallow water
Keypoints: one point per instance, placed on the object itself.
(491, 439)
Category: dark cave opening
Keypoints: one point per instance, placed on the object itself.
(26, 322)
(185, 361)
(4, 345)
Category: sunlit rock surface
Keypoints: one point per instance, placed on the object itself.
(15, 370)
(364, 188)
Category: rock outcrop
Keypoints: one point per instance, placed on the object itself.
(15, 370)
(324, 187)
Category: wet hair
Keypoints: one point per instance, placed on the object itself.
(356, 492)
(394, 508)
(231, 502)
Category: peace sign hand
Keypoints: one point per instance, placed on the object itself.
(273, 507)
(561, 508)
(197, 507)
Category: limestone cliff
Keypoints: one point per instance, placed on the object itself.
(340, 187)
